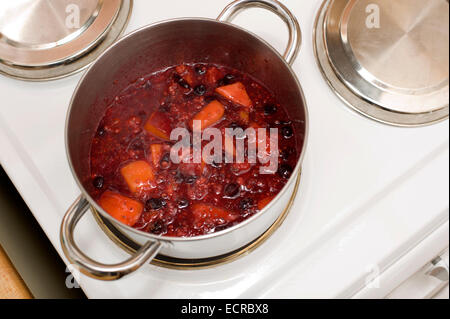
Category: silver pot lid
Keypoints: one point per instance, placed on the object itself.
(388, 60)
(48, 39)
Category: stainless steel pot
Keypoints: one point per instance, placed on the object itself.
(155, 47)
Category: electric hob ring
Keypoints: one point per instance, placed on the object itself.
(131, 246)
(388, 60)
(44, 40)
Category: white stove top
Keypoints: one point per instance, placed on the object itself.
(373, 201)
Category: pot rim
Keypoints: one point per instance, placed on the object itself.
(154, 237)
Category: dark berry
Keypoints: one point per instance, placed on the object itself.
(136, 145)
(200, 69)
(182, 82)
(164, 163)
(220, 227)
(190, 179)
(157, 227)
(183, 203)
(287, 132)
(164, 108)
(101, 131)
(270, 109)
(228, 79)
(246, 203)
(285, 171)
(155, 203)
(147, 85)
(98, 182)
(200, 90)
(286, 153)
(232, 191)
(179, 178)
(216, 164)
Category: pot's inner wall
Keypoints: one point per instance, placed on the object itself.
(164, 45)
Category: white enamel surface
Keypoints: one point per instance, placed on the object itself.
(369, 195)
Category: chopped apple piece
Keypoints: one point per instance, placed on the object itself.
(213, 75)
(212, 214)
(186, 73)
(236, 93)
(138, 175)
(158, 125)
(244, 115)
(210, 114)
(122, 208)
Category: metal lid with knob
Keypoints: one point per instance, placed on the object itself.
(44, 40)
(388, 60)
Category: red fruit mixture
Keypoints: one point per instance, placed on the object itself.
(133, 177)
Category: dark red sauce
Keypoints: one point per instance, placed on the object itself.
(180, 200)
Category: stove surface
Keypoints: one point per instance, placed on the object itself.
(371, 195)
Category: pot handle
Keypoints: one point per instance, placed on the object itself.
(90, 267)
(295, 34)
